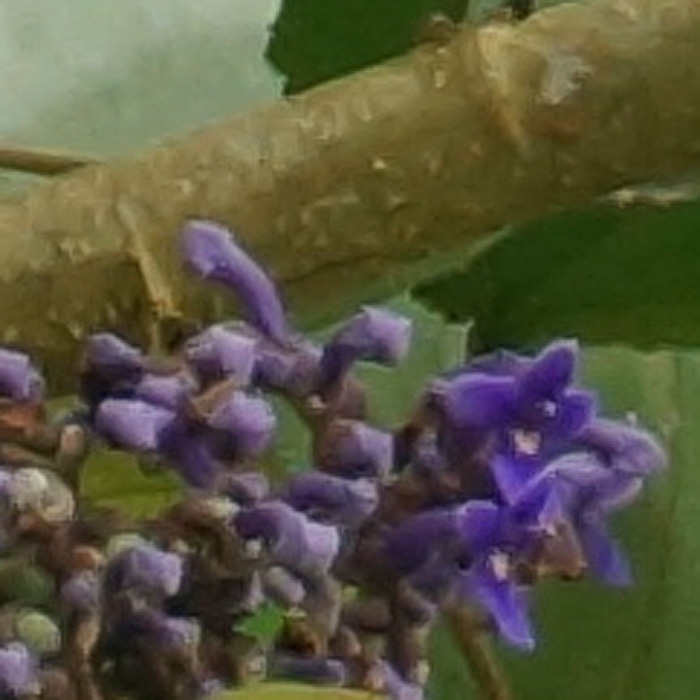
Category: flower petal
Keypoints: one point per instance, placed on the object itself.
(412, 543)
(574, 411)
(244, 487)
(475, 400)
(218, 353)
(506, 604)
(248, 421)
(396, 687)
(133, 424)
(512, 473)
(18, 671)
(551, 372)
(375, 335)
(145, 568)
(190, 453)
(479, 525)
(19, 380)
(343, 501)
(213, 253)
(352, 449)
(296, 542)
(625, 447)
(605, 559)
(167, 391)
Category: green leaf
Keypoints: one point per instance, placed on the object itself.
(264, 624)
(315, 41)
(116, 479)
(602, 274)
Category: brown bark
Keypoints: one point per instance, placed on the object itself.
(358, 187)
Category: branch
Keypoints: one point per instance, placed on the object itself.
(473, 642)
(39, 162)
(363, 185)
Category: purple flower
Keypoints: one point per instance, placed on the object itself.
(19, 380)
(243, 487)
(219, 352)
(133, 424)
(353, 449)
(165, 390)
(395, 686)
(333, 498)
(468, 550)
(213, 253)
(243, 423)
(490, 583)
(623, 447)
(295, 541)
(18, 671)
(186, 447)
(112, 367)
(446, 534)
(80, 594)
(145, 569)
(376, 335)
(527, 404)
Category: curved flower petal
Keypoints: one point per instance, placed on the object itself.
(375, 335)
(218, 353)
(512, 473)
(605, 559)
(213, 253)
(244, 487)
(479, 525)
(296, 542)
(167, 391)
(396, 687)
(343, 501)
(146, 568)
(18, 671)
(189, 452)
(19, 380)
(625, 447)
(109, 352)
(133, 424)
(551, 372)
(504, 601)
(412, 543)
(81, 594)
(475, 400)
(247, 420)
(574, 410)
(353, 449)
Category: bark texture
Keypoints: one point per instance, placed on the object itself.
(357, 187)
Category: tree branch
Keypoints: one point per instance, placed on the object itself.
(364, 184)
(39, 162)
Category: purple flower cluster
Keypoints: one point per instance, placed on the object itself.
(504, 475)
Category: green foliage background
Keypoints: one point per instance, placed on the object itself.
(109, 78)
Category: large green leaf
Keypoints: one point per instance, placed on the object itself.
(602, 274)
(315, 41)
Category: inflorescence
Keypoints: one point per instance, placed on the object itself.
(504, 475)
